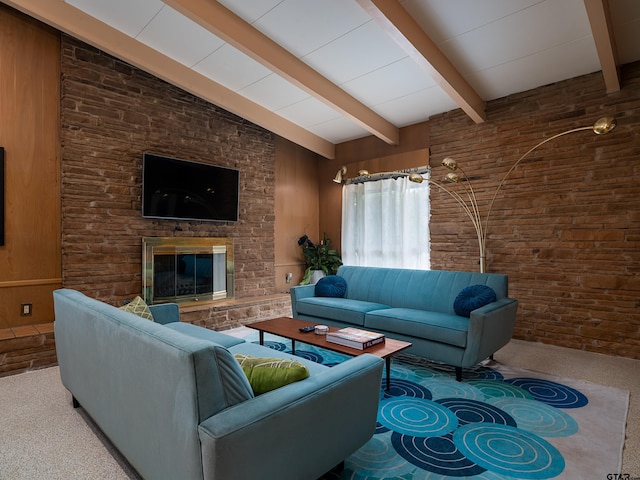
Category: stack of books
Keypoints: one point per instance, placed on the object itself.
(356, 338)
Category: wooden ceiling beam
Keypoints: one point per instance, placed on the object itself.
(223, 23)
(78, 24)
(406, 32)
(602, 30)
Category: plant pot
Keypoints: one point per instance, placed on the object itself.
(315, 276)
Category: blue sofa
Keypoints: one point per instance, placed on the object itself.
(175, 402)
(416, 306)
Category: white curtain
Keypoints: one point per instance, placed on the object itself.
(385, 223)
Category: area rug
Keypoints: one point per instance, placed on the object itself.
(498, 423)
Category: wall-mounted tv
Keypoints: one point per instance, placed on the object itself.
(184, 190)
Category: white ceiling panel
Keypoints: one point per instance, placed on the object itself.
(178, 37)
(359, 56)
(443, 20)
(342, 129)
(308, 112)
(273, 92)
(250, 10)
(415, 107)
(392, 81)
(231, 68)
(138, 13)
(568, 61)
(361, 51)
(542, 27)
(302, 26)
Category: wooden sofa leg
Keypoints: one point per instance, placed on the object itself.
(459, 374)
(74, 402)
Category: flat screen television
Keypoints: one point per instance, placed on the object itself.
(185, 190)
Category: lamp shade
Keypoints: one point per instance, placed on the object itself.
(604, 125)
(340, 174)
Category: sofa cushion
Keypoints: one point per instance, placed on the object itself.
(331, 286)
(340, 309)
(473, 297)
(268, 373)
(139, 307)
(430, 290)
(204, 334)
(439, 327)
(257, 350)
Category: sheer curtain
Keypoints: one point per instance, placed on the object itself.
(385, 223)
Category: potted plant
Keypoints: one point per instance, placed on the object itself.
(318, 257)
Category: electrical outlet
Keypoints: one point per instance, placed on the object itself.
(288, 277)
(26, 309)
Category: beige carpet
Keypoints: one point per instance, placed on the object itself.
(43, 437)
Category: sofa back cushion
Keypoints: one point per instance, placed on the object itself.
(431, 290)
(146, 386)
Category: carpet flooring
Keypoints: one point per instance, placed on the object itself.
(43, 437)
(499, 423)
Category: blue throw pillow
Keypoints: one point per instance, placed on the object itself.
(472, 297)
(331, 286)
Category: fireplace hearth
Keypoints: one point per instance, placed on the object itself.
(196, 269)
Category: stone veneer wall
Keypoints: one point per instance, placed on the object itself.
(112, 113)
(566, 225)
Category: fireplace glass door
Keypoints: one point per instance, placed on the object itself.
(183, 272)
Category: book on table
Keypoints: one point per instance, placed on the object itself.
(354, 337)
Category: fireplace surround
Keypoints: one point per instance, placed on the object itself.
(198, 269)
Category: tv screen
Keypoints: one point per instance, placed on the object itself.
(185, 190)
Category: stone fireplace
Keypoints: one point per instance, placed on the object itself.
(198, 269)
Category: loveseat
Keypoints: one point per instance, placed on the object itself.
(416, 306)
(174, 400)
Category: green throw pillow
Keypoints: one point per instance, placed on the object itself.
(139, 307)
(266, 374)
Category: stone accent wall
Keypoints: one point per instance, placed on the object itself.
(112, 113)
(566, 225)
(27, 348)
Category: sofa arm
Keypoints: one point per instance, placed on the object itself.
(336, 411)
(164, 313)
(299, 292)
(490, 328)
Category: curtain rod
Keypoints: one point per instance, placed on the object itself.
(374, 177)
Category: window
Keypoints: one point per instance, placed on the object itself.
(385, 223)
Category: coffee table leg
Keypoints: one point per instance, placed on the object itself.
(293, 347)
(388, 364)
(261, 337)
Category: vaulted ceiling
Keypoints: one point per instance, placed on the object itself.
(321, 72)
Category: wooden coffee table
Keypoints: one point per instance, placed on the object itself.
(289, 328)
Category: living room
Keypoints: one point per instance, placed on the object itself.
(76, 122)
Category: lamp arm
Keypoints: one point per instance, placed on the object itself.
(475, 220)
(456, 196)
(472, 199)
(495, 194)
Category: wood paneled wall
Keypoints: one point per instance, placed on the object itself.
(372, 154)
(297, 205)
(30, 261)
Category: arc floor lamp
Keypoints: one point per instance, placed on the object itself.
(466, 198)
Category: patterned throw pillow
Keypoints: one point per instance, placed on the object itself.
(139, 307)
(266, 374)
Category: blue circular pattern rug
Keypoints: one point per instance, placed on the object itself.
(488, 427)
